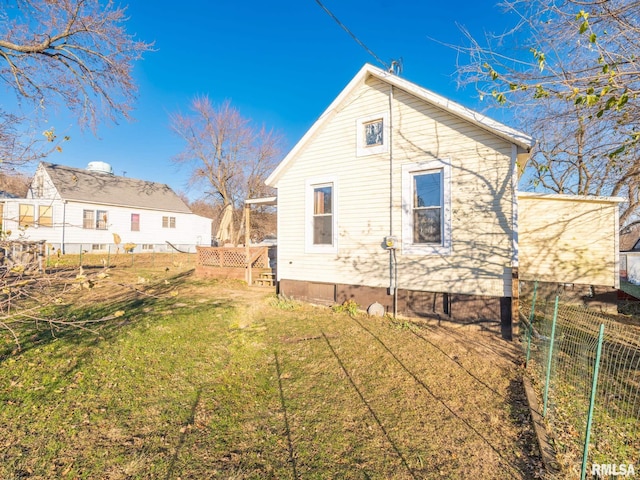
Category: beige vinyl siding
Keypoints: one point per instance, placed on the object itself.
(481, 199)
(568, 240)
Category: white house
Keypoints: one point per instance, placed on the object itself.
(399, 196)
(91, 209)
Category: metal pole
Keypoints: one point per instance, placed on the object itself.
(108, 255)
(549, 360)
(592, 401)
(531, 315)
(80, 255)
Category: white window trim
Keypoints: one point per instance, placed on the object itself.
(361, 149)
(408, 170)
(310, 184)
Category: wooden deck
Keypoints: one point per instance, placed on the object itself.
(234, 263)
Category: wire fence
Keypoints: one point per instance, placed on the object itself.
(120, 259)
(586, 367)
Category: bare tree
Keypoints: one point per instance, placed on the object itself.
(74, 53)
(570, 70)
(229, 158)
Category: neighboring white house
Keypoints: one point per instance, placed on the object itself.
(75, 209)
(399, 196)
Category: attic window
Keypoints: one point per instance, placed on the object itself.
(372, 134)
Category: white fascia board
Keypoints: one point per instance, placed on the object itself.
(326, 115)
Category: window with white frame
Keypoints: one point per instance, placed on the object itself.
(88, 219)
(372, 134)
(45, 215)
(135, 222)
(168, 222)
(27, 215)
(426, 208)
(102, 219)
(98, 247)
(321, 235)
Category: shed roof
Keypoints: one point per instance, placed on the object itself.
(523, 141)
(81, 185)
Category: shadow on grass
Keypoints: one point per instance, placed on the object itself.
(370, 408)
(96, 321)
(292, 458)
(512, 464)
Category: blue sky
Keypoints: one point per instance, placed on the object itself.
(280, 62)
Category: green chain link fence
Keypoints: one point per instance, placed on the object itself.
(589, 385)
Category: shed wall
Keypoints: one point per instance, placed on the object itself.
(566, 240)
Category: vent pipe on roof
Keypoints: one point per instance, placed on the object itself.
(100, 167)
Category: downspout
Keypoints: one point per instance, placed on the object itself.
(515, 274)
(392, 252)
(64, 223)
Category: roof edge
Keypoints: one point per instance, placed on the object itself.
(567, 197)
(513, 136)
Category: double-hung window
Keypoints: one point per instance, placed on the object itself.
(88, 219)
(426, 208)
(102, 219)
(27, 215)
(45, 215)
(135, 222)
(321, 216)
(168, 222)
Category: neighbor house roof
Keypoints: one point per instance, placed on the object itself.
(630, 237)
(520, 139)
(81, 185)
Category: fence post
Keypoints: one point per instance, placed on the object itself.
(108, 255)
(592, 400)
(80, 264)
(531, 315)
(553, 336)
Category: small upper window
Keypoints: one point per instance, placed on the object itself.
(135, 222)
(372, 134)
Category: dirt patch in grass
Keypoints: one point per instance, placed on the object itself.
(212, 379)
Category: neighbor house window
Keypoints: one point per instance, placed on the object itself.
(98, 247)
(372, 134)
(45, 215)
(426, 211)
(88, 219)
(147, 246)
(135, 222)
(321, 217)
(168, 222)
(102, 219)
(26, 215)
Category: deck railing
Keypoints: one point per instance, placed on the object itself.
(232, 257)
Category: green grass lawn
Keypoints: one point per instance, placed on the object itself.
(198, 379)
